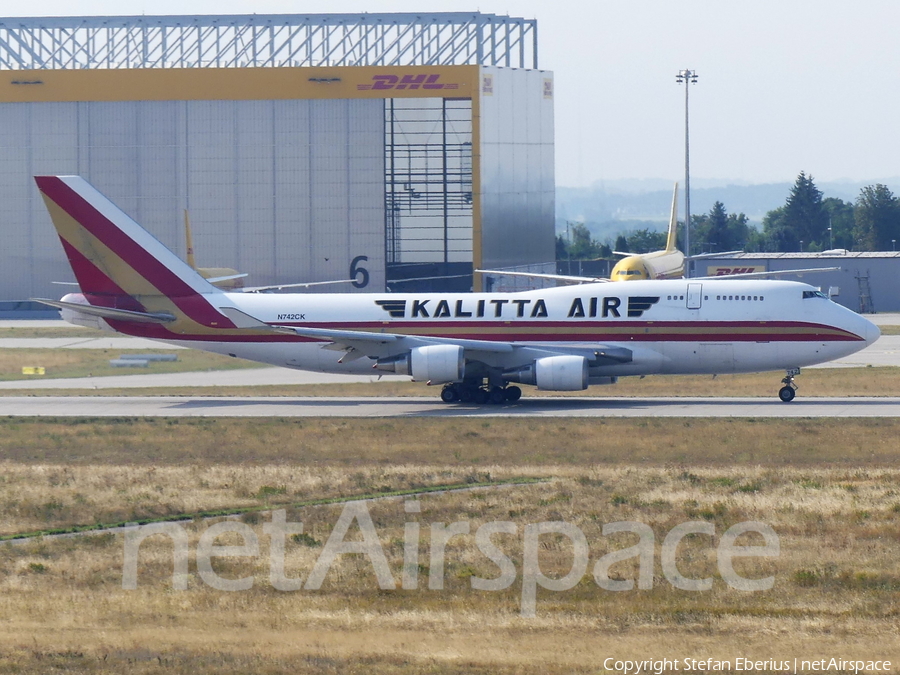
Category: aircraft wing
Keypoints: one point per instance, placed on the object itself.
(380, 345)
(763, 275)
(227, 277)
(707, 256)
(556, 277)
(307, 284)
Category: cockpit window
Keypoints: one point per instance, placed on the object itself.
(814, 294)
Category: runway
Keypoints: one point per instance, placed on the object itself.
(397, 407)
(885, 352)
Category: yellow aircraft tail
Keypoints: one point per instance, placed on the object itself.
(671, 242)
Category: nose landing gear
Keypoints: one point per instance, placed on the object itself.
(789, 390)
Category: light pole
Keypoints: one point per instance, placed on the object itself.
(687, 77)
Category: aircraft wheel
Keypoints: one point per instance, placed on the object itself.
(786, 394)
(497, 396)
(480, 396)
(466, 394)
(449, 394)
(512, 394)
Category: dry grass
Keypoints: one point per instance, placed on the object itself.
(830, 489)
(95, 362)
(836, 582)
(27, 332)
(471, 442)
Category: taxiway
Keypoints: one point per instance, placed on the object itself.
(195, 406)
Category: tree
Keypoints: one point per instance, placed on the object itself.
(621, 244)
(801, 223)
(877, 218)
(756, 241)
(644, 241)
(777, 235)
(720, 231)
(581, 246)
(842, 224)
(805, 214)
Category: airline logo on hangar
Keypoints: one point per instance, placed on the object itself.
(397, 83)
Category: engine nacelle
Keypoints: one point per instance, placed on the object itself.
(555, 373)
(435, 363)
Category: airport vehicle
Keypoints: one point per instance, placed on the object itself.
(479, 346)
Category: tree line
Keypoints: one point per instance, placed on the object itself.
(808, 221)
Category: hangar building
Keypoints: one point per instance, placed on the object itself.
(399, 150)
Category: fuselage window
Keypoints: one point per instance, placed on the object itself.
(761, 298)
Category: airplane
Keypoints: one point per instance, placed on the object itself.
(478, 346)
(221, 277)
(231, 280)
(665, 264)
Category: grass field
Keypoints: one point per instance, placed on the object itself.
(95, 362)
(830, 489)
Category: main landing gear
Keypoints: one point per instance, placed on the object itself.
(470, 393)
(789, 390)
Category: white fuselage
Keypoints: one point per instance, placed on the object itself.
(669, 326)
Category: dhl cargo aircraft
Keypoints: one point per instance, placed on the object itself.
(665, 264)
(477, 345)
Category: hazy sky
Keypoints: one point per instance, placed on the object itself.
(785, 85)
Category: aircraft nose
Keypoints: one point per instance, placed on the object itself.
(872, 333)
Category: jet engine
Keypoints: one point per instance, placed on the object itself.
(555, 373)
(434, 363)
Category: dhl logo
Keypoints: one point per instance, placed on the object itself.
(726, 271)
(424, 81)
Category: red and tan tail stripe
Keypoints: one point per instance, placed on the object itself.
(117, 261)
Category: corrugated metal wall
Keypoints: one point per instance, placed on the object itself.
(517, 167)
(284, 190)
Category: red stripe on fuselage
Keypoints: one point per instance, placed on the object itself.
(788, 331)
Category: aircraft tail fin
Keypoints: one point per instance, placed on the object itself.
(672, 240)
(189, 241)
(118, 264)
